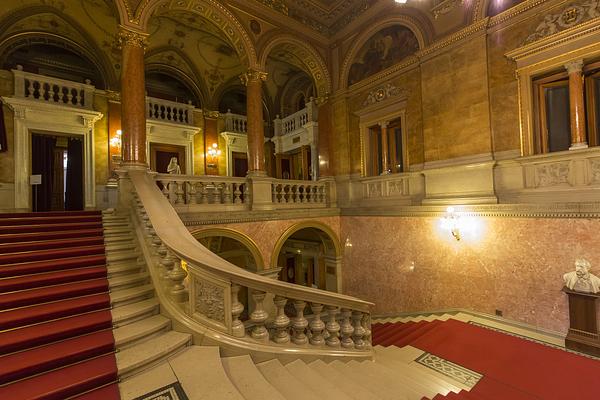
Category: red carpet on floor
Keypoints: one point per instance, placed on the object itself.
(513, 368)
(56, 339)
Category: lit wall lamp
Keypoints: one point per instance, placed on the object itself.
(212, 155)
(400, 1)
(116, 140)
(451, 222)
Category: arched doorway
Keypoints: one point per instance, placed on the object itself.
(309, 254)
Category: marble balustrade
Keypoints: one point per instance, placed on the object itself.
(169, 111)
(206, 288)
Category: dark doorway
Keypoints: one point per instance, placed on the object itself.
(240, 164)
(59, 161)
(161, 155)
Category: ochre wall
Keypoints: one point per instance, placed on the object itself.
(7, 158)
(509, 264)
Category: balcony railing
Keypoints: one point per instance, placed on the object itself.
(53, 90)
(169, 111)
(201, 290)
(235, 122)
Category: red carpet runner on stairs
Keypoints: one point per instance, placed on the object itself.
(512, 368)
(56, 338)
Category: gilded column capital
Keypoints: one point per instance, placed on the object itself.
(253, 76)
(211, 114)
(132, 38)
(574, 66)
(322, 99)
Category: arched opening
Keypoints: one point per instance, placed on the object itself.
(167, 86)
(236, 248)
(309, 255)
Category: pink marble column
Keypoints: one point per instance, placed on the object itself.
(256, 132)
(133, 99)
(577, 105)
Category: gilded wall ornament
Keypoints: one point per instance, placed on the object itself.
(570, 16)
(253, 75)
(132, 38)
(382, 93)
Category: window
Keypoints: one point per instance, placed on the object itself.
(554, 123)
(592, 88)
(385, 148)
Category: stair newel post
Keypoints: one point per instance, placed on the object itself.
(281, 322)
(167, 265)
(237, 308)
(259, 316)
(177, 275)
(332, 326)
(359, 331)
(346, 329)
(179, 192)
(191, 193)
(317, 325)
(299, 323)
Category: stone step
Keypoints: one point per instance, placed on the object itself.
(248, 380)
(107, 224)
(130, 313)
(126, 296)
(123, 238)
(129, 334)
(355, 390)
(315, 381)
(138, 386)
(421, 385)
(202, 376)
(121, 256)
(284, 382)
(124, 268)
(397, 360)
(379, 379)
(385, 389)
(120, 246)
(148, 353)
(127, 280)
(117, 231)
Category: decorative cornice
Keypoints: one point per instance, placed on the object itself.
(231, 217)
(132, 38)
(253, 76)
(514, 11)
(473, 29)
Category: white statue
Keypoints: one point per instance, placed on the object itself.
(173, 167)
(581, 280)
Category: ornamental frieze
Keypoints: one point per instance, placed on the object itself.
(210, 301)
(382, 93)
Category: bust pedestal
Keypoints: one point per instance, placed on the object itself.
(584, 314)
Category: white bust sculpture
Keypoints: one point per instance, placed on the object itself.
(581, 280)
(173, 167)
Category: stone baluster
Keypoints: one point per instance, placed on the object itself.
(167, 264)
(177, 275)
(247, 194)
(191, 196)
(359, 331)
(297, 198)
(274, 198)
(366, 323)
(281, 322)
(179, 192)
(237, 194)
(226, 193)
(332, 326)
(317, 325)
(203, 197)
(165, 189)
(237, 308)
(217, 193)
(306, 190)
(299, 323)
(346, 329)
(314, 196)
(259, 316)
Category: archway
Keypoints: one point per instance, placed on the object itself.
(309, 254)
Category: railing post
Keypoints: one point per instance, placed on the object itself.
(332, 326)
(281, 322)
(299, 323)
(277, 126)
(359, 331)
(317, 325)
(346, 329)
(177, 275)
(237, 308)
(259, 316)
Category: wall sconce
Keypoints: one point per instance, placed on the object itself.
(212, 154)
(451, 220)
(116, 140)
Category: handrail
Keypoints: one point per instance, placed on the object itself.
(179, 240)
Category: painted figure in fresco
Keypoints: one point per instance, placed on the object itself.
(173, 167)
(581, 280)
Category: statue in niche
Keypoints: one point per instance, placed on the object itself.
(173, 167)
(581, 280)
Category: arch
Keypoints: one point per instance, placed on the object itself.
(490, 8)
(307, 54)
(337, 246)
(211, 10)
(88, 47)
(235, 235)
(404, 20)
(192, 77)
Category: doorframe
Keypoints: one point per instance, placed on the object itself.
(235, 142)
(155, 147)
(36, 117)
(159, 132)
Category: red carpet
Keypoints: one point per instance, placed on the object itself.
(513, 368)
(56, 338)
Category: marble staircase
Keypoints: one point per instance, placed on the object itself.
(143, 337)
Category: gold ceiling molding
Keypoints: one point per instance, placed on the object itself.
(308, 56)
(132, 38)
(513, 11)
(404, 20)
(473, 29)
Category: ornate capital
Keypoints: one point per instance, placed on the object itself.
(132, 38)
(574, 66)
(253, 76)
(319, 101)
(210, 114)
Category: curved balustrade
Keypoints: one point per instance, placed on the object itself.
(190, 190)
(295, 121)
(169, 111)
(205, 289)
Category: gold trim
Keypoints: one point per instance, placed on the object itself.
(246, 240)
(132, 38)
(303, 225)
(253, 76)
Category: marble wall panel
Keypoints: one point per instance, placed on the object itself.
(509, 264)
(266, 233)
(7, 158)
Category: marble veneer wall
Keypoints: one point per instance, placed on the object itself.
(511, 264)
